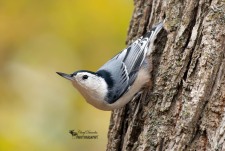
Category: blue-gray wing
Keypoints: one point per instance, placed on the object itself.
(121, 71)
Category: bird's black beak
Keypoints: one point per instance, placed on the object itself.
(64, 75)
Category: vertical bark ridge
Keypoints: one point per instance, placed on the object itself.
(184, 107)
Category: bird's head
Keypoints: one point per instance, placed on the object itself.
(89, 84)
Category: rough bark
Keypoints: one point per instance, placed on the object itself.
(184, 107)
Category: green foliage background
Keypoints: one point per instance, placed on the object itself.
(38, 38)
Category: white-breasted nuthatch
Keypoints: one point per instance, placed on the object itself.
(119, 79)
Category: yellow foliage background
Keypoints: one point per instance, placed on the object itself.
(38, 38)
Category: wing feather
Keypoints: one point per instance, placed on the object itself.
(123, 68)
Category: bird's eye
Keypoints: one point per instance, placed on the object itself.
(85, 77)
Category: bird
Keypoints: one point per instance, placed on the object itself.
(114, 84)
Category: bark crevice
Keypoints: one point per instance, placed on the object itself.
(184, 107)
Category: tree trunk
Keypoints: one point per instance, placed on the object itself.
(184, 107)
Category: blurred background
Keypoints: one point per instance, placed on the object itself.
(38, 38)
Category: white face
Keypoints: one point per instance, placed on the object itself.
(90, 85)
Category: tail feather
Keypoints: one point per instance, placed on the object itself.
(153, 35)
